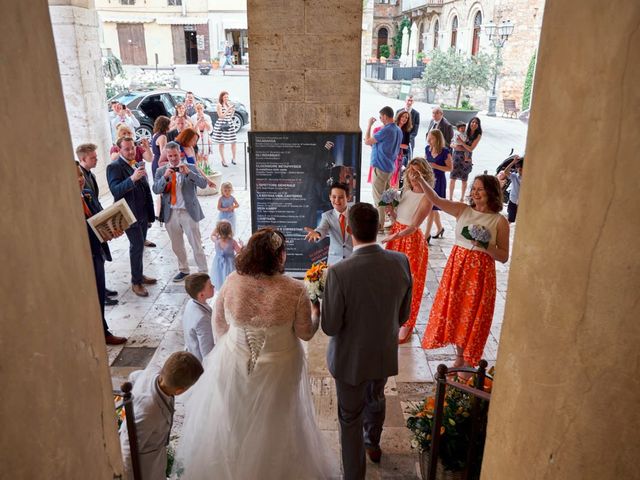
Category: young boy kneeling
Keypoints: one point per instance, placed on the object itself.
(153, 407)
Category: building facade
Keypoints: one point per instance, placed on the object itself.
(173, 32)
(458, 24)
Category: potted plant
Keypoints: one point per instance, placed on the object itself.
(455, 70)
(455, 434)
(420, 57)
(204, 67)
(212, 175)
(215, 63)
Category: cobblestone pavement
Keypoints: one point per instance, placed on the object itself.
(153, 324)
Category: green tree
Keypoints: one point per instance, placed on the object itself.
(384, 51)
(528, 82)
(452, 69)
(397, 38)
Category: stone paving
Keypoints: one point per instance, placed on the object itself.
(153, 324)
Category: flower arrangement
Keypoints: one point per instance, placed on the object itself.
(455, 430)
(390, 197)
(120, 413)
(479, 233)
(315, 279)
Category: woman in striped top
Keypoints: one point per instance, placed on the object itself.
(223, 131)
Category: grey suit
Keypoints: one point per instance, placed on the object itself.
(367, 298)
(184, 220)
(191, 203)
(339, 248)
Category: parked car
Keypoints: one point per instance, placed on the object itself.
(147, 106)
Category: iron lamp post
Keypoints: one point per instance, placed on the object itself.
(498, 35)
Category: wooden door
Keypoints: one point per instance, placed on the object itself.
(177, 39)
(133, 50)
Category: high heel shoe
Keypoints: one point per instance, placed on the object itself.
(429, 240)
(233, 161)
(225, 164)
(439, 234)
(406, 338)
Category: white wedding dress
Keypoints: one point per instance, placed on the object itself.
(251, 414)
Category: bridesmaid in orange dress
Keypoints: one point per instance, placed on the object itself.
(462, 311)
(406, 236)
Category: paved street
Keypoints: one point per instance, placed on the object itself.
(153, 324)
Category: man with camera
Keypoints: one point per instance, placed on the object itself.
(128, 179)
(177, 183)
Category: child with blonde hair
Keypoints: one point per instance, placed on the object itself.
(225, 253)
(227, 204)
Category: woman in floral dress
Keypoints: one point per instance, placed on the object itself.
(462, 311)
(407, 237)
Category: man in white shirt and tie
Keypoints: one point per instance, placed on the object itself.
(334, 224)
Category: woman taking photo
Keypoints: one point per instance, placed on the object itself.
(406, 236)
(188, 139)
(181, 112)
(204, 127)
(255, 387)
(159, 140)
(223, 131)
(463, 151)
(462, 310)
(143, 150)
(439, 157)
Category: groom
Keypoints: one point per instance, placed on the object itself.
(366, 299)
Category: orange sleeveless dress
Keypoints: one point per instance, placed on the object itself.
(414, 247)
(462, 311)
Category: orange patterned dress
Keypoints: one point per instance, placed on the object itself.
(462, 311)
(414, 247)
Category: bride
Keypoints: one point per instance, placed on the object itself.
(251, 414)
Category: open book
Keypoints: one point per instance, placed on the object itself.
(106, 223)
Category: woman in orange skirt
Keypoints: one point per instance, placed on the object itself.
(462, 311)
(406, 236)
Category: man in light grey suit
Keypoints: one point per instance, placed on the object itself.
(181, 211)
(334, 224)
(366, 299)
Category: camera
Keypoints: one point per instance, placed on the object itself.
(175, 169)
(140, 165)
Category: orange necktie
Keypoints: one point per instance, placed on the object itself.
(343, 224)
(87, 212)
(172, 187)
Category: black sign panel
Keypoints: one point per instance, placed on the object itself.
(291, 174)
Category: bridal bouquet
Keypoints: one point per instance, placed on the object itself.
(479, 233)
(390, 197)
(315, 279)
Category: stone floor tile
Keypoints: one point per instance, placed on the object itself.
(412, 366)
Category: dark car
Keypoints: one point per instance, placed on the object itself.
(147, 106)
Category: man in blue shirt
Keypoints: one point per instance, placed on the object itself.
(385, 146)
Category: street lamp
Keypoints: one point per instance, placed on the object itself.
(498, 35)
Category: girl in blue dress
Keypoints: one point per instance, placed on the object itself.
(225, 253)
(439, 157)
(227, 204)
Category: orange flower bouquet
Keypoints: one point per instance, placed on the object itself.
(315, 279)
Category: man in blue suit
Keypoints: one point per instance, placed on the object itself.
(99, 253)
(129, 181)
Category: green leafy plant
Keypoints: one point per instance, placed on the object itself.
(528, 82)
(453, 69)
(397, 38)
(455, 432)
(420, 56)
(385, 51)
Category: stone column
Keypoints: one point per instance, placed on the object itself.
(305, 64)
(75, 28)
(565, 404)
(57, 410)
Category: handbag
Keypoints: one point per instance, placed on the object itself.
(225, 126)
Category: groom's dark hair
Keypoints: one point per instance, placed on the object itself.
(363, 221)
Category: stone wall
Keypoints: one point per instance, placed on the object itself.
(75, 30)
(565, 403)
(305, 73)
(57, 409)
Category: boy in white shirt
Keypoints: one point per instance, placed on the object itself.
(196, 320)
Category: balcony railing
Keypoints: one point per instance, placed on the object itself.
(391, 70)
(408, 5)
